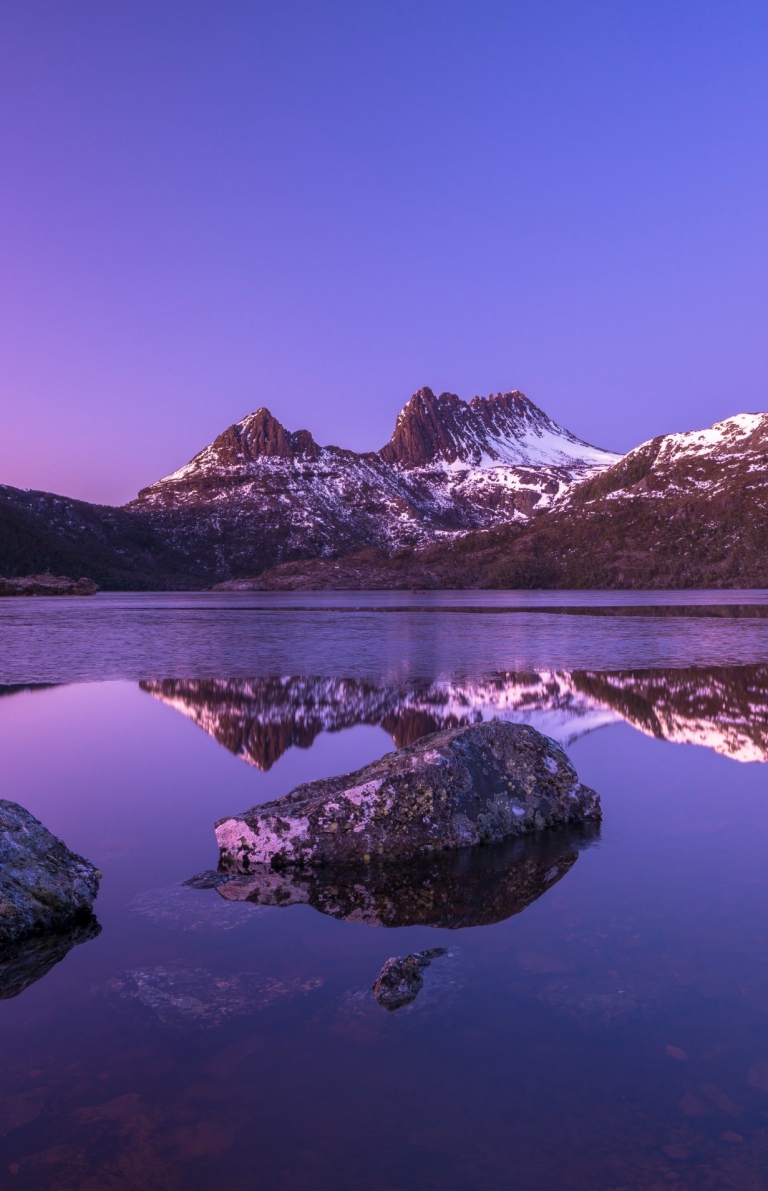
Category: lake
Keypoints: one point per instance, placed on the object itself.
(599, 1020)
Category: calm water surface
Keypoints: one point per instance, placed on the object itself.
(600, 1019)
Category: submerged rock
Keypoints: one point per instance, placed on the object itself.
(181, 995)
(43, 886)
(400, 980)
(27, 961)
(451, 889)
(449, 790)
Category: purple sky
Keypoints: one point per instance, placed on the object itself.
(321, 206)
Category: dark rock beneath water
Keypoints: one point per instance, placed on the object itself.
(452, 889)
(400, 980)
(209, 879)
(452, 789)
(181, 995)
(27, 961)
(43, 886)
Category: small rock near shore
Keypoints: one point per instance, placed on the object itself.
(400, 980)
(47, 585)
(451, 789)
(43, 886)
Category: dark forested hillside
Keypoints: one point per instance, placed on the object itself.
(43, 532)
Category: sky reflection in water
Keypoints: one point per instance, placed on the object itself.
(599, 1019)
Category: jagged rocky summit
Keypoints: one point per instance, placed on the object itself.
(451, 789)
(44, 888)
(261, 494)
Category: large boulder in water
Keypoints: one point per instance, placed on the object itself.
(449, 790)
(43, 886)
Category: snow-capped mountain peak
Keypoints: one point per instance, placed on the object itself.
(261, 494)
(504, 428)
(256, 436)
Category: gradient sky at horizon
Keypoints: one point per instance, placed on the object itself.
(321, 206)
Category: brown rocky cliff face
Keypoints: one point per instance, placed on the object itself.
(500, 410)
(428, 428)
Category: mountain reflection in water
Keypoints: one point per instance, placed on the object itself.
(723, 708)
(452, 889)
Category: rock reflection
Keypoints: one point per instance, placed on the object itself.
(26, 962)
(452, 889)
(723, 708)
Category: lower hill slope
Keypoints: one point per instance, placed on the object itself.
(681, 541)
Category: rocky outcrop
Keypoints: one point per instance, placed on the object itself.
(451, 789)
(400, 980)
(44, 888)
(47, 585)
(451, 889)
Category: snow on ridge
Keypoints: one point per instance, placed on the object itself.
(550, 445)
(728, 433)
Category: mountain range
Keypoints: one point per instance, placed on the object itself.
(486, 493)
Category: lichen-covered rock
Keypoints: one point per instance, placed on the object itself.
(449, 790)
(43, 886)
(451, 889)
(400, 980)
